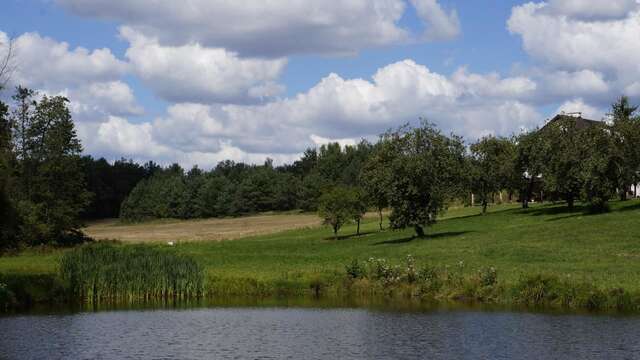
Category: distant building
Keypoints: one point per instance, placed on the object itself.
(581, 123)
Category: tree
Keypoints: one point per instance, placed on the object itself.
(600, 166)
(626, 133)
(110, 184)
(359, 206)
(559, 143)
(209, 195)
(7, 64)
(375, 179)
(490, 167)
(9, 222)
(310, 191)
(22, 119)
(425, 170)
(529, 163)
(59, 189)
(337, 207)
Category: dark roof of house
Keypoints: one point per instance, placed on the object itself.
(581, 123)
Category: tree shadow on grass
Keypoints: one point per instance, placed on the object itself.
(345, 237)
(626, 207)
(553, 209)
(480, 214)
(426, 237)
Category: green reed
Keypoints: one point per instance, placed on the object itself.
(124, 273)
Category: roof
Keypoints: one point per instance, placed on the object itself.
(581, 123)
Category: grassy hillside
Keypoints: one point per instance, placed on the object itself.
(602, 249)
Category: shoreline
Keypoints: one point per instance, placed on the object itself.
(48, 292)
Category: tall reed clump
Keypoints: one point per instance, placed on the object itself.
(124, 273)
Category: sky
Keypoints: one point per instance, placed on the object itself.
(200, 81)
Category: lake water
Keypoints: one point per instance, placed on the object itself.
(308, 333)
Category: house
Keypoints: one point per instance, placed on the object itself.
(580, 122)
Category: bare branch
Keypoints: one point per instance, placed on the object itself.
(7, 65)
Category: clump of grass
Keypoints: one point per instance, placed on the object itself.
(109, 272)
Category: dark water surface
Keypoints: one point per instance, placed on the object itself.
(308, 333)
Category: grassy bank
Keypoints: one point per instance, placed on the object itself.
(543, 255)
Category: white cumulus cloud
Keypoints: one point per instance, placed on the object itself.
(193, 73)
(335, 109)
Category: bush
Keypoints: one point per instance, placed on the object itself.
(429, 280)
(355, 270)
(488, 277)
(381, 270)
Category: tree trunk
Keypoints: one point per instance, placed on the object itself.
(484, 206)
(570, 201)
(529, 192)
(358, 229)
(380, 214)
(623, 194)
(419, 231)
(335, 233)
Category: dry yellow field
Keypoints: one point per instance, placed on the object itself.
(199, 230)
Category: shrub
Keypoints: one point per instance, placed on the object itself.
(380, 269)
(411, 273)
(488, 276)
(429, 280)
(355, 270)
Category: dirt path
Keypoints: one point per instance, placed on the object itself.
(198, 230)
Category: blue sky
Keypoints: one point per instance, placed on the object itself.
(203, 81)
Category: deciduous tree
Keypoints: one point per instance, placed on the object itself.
(426, 170)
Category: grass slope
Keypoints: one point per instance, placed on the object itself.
(601, 249)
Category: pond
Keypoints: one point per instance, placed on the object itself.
(317, 333)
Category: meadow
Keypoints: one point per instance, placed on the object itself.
(602, 250)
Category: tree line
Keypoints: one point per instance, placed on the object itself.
(233, 189)
(47, 188)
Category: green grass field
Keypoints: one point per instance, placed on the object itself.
(601, 249)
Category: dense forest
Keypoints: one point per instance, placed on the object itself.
(47, 188)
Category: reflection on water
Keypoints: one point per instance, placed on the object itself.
(317, 333)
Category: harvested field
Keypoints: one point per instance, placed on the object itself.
(199, 230)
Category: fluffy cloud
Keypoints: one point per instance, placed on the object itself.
(63, 66)
(102, 99)
(587, 51)
(578, 105)
(90, 78)
(274, 28)
(440, 24)
(608, 46)
(265, 28)
(593, 9)
(192, 73)
(492, 85)
(118, 137)
(335, 109)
